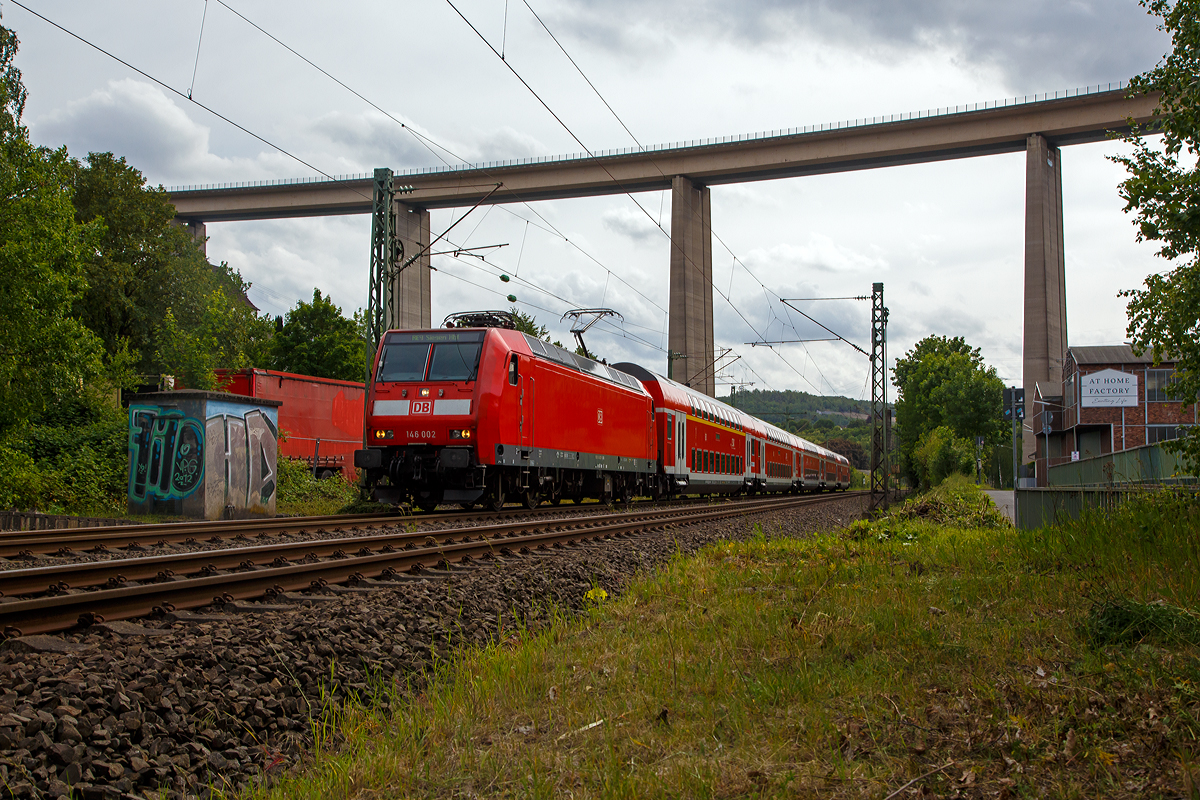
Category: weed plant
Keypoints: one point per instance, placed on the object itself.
(301, 494)
(904, 657)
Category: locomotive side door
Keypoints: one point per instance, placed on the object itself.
(512, 405)
(526, 404)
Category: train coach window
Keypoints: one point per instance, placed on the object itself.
(512, 371)
(402, 362)
(454, 361)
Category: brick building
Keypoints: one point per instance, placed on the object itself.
(1111, 400)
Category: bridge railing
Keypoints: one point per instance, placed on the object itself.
(941, 111)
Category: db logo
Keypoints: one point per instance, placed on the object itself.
(599, 416)
(422, 407)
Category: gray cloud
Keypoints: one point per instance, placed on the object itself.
(630, 223)
(1033, 45)
(136, 119)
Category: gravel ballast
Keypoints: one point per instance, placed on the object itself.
(222, 698)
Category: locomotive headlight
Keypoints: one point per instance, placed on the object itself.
(464, 433)
(424, 392)
(380, 434)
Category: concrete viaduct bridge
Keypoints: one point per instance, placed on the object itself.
(1039, 126)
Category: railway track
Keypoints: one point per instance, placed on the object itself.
(88, 592)
(65, 542)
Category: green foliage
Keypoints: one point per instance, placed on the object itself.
(943, 383)
(150, 289)
(44, 352)
(12, 92)
(299, 493)
(527, 323)
(317, 340)
(940, 454)
(226, 333)
(73, 461)
(20, 482)
(956, 502)
(1163, 190)
(821, 420)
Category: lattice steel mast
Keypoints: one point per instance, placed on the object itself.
(879, 453)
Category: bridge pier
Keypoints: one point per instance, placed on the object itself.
(1045, 345)
(410, 306)
(690, 336)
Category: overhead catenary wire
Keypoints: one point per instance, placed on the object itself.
(657, 223)
(197, 103)
(429, 143)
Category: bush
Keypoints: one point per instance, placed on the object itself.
(20, 482)
(73, 462)
(300, 493)
(939, 454)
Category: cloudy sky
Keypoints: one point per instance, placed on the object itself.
(946, 239)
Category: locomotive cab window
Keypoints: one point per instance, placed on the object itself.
(402, 362)
(457, 361)
(512, 371)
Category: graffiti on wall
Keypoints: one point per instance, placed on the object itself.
(166, 455)
(241, 453)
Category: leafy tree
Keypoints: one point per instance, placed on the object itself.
(528, 324)
(1163, 190)
(150, 289)
(45, 353)
(316, 339)
(944, 383)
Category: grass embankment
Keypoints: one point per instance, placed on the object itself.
(898, 657)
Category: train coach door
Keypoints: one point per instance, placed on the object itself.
(681, 444)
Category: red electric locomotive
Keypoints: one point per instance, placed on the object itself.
(469, 415)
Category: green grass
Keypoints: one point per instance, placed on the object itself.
(972, 661)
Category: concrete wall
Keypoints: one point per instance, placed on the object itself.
(206, 455)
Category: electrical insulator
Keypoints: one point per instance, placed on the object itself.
(505, 278)
(512, 298)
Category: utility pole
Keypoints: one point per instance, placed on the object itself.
(879, 454)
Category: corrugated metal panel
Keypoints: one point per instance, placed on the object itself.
(1109, 354)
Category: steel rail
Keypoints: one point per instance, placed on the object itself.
(65, 541)
(114, 572)
(61, 612)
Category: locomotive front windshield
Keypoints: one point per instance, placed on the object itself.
(433, 356)
(403, 362)
(454, 362)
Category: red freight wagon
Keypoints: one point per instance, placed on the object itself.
(321, 418)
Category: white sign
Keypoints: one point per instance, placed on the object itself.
(1108, 388)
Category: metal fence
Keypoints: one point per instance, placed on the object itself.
(33, 521)
(1141, 465)
(1037, 507)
